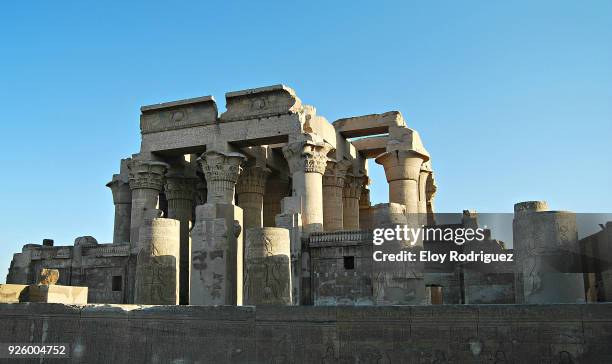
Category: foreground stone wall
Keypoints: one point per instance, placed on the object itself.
(569, 333)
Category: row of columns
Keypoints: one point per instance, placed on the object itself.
(330, 196)
(325, 192)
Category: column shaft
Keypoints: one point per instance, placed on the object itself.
(350, 200)
(276, 189)
(333, 185)
(180, 193)
(250, 192)
(402, 169)
(122, 198)
(146, 181)
(307, 161)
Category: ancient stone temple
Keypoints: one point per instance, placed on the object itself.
(228, 225)
(269, 203)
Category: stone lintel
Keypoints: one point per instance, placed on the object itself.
(240, 133)
(371, 147)
(403, 138)
(178, 114)
(173, 104)
(260, 102)
(373, 124)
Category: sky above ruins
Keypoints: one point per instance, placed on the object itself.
(512, 99)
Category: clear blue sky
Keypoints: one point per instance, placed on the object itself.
(513, 99)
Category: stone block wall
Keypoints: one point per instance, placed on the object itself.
(564, 333)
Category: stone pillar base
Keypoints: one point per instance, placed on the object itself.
(291, 219)
(217, 255)
(14, 293)
(267, 276)
(158, 263)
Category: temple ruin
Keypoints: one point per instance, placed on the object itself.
(268, 203)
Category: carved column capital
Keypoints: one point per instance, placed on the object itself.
(221, 166)
(180, 187)
(221, 170)
(353, 185)
(402, 164)
(364, 200)
(252, 180)
(146, 174)
(309, 155)
(335, 173)
(120, 187)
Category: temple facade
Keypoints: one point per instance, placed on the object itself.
(268, 203)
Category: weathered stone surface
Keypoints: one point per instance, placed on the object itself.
(217, 256)
(365, 125)
(221, 170)
(267, 262)
(341, 264)
(180, 190)
(399, 334)
(250, 190)
(371, 147)
(178, 114)
(13, 293)
(307, 159)
(396, 283)
(48, 276)
(547, 252)
(291, 219)
(146, 179)
(350, 200)
(402, 169)
(260, 102)
(277, 188)
(122, 198)
(69, 295)
(158, 263)
(333, 186)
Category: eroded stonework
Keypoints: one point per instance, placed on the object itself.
(271, 162)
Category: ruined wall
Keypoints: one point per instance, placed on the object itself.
(341, 268)
(568, 333)
(103, 268)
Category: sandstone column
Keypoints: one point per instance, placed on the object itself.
(277, 187)
(122, 198)
(216, 238)
(307, 160)
(350, 201)
(221, 170)
(250, 193)
(267, 276)
(146, 179)
(180, 193)
(402, 169)
(365, 207)
(157, 264)
(333, 184)
(547, 255)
